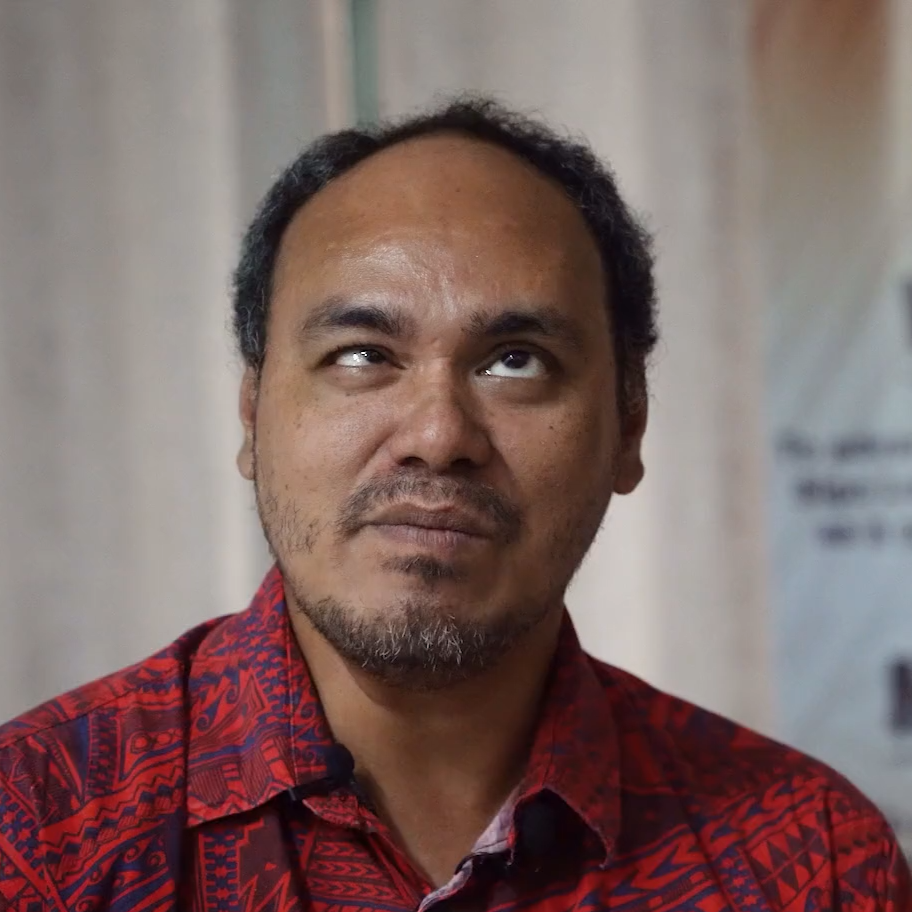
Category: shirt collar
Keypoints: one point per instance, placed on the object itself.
(575, 752)
(257, 727)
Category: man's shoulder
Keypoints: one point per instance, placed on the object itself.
(90, 738)
(95, 771)
(714, 759)
(789, 813)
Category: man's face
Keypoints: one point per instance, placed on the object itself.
(434, 435)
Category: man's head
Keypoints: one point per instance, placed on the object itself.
(446, 324)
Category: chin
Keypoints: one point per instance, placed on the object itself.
(419, 638)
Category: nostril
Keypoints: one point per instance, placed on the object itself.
(463, 464)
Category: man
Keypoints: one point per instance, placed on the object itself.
(445, 325)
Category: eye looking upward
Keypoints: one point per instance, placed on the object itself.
(517, 363)
(513, 363)
(357, 357)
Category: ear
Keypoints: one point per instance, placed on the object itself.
(247, 406)
(630, 469)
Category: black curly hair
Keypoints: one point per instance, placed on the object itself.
(624, 244)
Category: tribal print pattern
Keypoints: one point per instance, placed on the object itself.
(165, 786)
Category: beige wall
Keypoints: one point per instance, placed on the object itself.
(134, 139)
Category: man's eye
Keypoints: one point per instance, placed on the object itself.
(358, 357)
(517, 363)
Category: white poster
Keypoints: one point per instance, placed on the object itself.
(837, 249)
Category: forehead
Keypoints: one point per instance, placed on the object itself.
(445, 209)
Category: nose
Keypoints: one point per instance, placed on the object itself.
(438, 429)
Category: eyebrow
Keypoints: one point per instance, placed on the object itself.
(546, 322)
(339, 312)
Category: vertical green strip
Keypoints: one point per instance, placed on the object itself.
(365, 70)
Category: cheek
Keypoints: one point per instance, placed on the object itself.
(311, 451)
(563, 464)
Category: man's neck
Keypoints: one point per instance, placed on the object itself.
(438, 764)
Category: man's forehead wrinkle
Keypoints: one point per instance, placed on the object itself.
(443, 255)
(320, 269)
(377, 245)
(469, 197)
(456, 290)
(482, 249)
(352, 216)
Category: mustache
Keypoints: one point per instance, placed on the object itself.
(480, 498)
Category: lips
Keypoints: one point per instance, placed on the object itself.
(439, 519)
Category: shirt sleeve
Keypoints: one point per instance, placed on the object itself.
(871, 873)
(23, 885)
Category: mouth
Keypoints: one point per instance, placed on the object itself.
(442, 529)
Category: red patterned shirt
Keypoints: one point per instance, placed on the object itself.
(166, 785)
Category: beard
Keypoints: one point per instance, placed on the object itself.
(418, 642)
